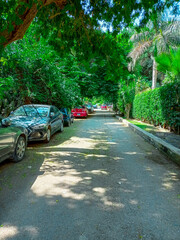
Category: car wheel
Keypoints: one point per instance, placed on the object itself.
(69, 123)
(62, 127)
(20, 149)
(48, 135)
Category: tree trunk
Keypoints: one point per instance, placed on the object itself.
(27, 17)
(127, 109)
(154, 74)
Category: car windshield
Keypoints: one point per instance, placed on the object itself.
(32, 111)
(63, 110)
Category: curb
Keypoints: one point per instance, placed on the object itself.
(172, 152)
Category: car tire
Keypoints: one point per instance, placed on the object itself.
(48, 135)
(19, 149)
(62, 128)
(69, 123)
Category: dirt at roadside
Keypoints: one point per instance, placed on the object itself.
(164, 134)
(167, 136)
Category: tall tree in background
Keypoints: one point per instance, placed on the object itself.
(161, 37)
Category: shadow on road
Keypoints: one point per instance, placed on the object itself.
(79, 180)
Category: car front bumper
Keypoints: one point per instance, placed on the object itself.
(37, 135)
(80, 114)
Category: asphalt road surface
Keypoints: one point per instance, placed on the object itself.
(97, 180)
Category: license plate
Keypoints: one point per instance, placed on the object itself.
(78, 114)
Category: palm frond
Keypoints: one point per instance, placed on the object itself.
(172, 33)
(137, 52)
(142, 36)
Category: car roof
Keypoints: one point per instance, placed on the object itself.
(38, 105)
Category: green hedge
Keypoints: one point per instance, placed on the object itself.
(159, 106)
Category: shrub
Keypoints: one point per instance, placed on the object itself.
(159, 106)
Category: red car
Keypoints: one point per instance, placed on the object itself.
(79, 112)
(103, 107)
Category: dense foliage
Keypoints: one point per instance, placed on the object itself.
(160, 106)
(169, 64)
(71, 20)
(33, 71)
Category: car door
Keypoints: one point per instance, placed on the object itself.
(6, 141)
(69, 114)
(58, 118)
(53, 120)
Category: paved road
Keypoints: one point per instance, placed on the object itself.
(96, 181)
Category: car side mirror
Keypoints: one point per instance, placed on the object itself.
(52, 114)
(6, 123)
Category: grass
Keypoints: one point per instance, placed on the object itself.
(144, 126)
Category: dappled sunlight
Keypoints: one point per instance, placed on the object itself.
(66, 184)
(123, 179)
(95, 172)
(133, 202)
(33, 231)
(97, 132)
(99, 190)
(169, 180)
(115, 123)
(63, 180)
(78, 142)
(131, 153)
(108, 203)
(117, 158)
(167, 185)
(134, 153)
(58, 184)
(149, 169)
(111, 142)
(8, 231)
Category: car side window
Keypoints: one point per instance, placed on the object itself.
(52, 112)
(56, 110)
(19, 112)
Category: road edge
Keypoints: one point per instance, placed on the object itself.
(169, 150)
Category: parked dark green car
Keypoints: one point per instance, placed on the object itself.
(13, 142)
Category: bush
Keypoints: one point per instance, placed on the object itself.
(126, 95)
(159, 106)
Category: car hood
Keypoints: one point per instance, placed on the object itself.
(27, 121)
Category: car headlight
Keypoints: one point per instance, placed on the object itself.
(26, 131)
(40, 126)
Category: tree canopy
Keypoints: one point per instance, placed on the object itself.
(77, 18)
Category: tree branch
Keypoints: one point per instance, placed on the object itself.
(27, 17)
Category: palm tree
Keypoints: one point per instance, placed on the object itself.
(161, 38)
(168, 63)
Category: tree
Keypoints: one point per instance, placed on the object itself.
(159, 39)
(75, 17)
(33, 71)
(168, 63)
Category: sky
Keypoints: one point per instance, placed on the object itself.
(167, 16)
